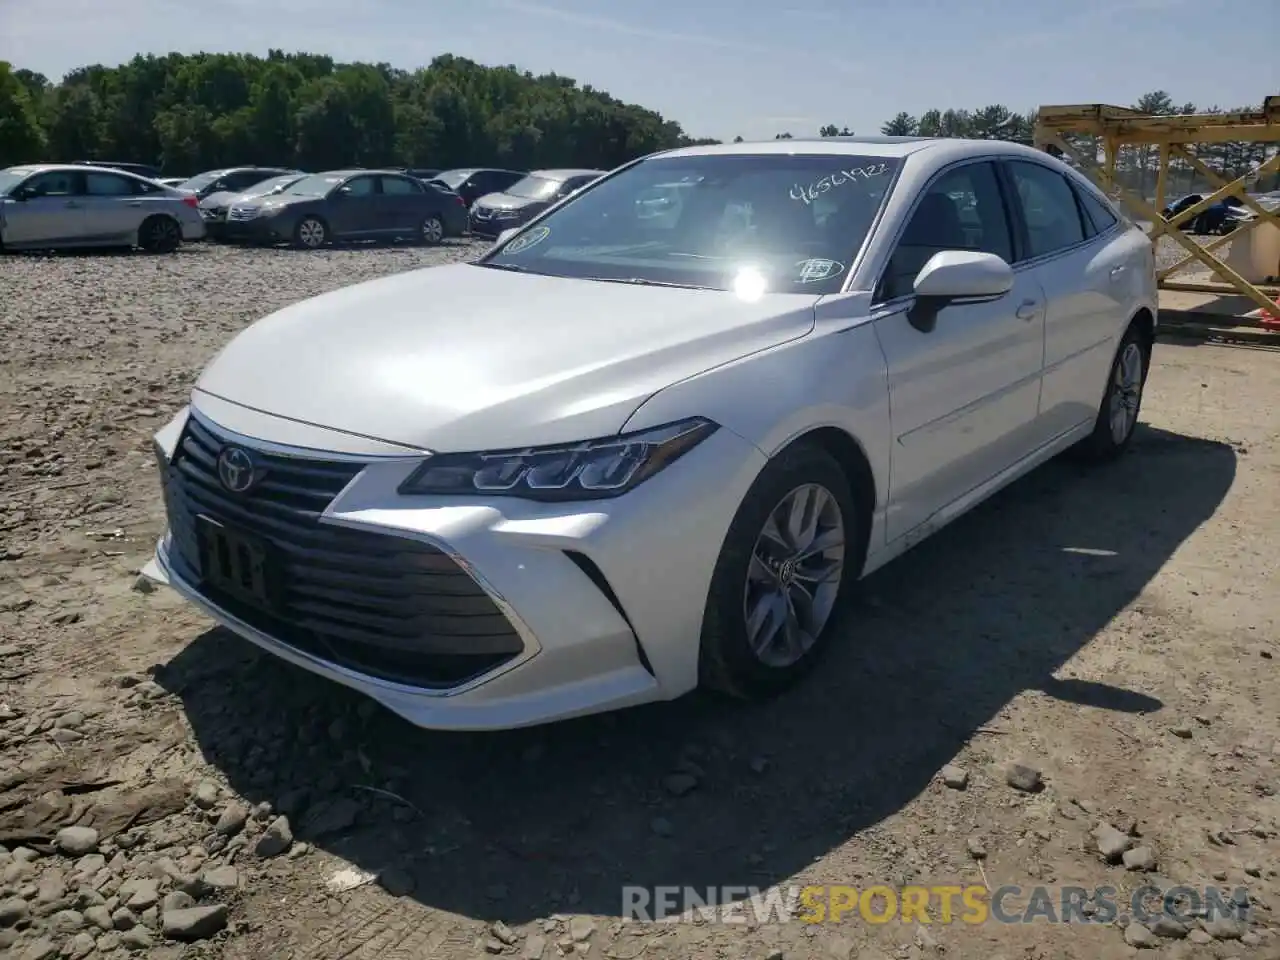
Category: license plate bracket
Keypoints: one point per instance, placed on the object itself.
(237, 563)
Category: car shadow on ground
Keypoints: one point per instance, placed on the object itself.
(523, 824)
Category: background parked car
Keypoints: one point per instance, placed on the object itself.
(527, 198)
(421, 173)
(472, 183)
(72, 205)
(138, 169)
(213, 208)
(1222, 217)
(349, 205)
(230, 180)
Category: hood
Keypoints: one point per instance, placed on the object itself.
(220, 199)
(270, 201)
(461, 357)
(504, 201)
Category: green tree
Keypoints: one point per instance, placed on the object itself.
(902, 125)
(21, 137)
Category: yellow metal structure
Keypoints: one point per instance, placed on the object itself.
(1117, 127)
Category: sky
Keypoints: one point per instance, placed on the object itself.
(723, 68)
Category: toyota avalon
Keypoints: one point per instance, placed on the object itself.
(651, 440)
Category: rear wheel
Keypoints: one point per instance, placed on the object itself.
(159, 235)
(310, 233)
(1118, 415)
(431, 231)
(785, 570)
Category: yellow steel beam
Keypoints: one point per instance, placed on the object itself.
(1160, 225)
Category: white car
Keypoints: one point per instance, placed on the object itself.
(622, 456)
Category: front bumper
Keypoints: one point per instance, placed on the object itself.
(606, 598)
(257, 230)
(490, 227)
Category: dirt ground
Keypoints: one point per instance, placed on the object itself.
(1112, 629)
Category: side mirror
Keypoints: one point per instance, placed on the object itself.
(957, 275)
(342, 193)
(22, 193)
(506, 235)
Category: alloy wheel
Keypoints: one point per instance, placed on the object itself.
(1126, 392)
(794, 577)
(432, 230)
(311, 233)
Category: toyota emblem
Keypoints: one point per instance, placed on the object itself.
(236, 469)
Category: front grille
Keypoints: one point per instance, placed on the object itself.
(242, 213)
(382, 605)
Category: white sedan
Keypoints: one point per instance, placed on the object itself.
(653, 440)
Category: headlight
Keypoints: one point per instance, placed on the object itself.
(592, 470)
(506, 214)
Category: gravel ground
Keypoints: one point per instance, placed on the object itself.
(167, 791)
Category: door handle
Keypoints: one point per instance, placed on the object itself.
(1117, 271)
(135, 203)
(1028, 309)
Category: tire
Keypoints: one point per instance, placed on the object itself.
(431, 231)
(310, 233)
(729, 661)
(1125, 386)
(159, 235)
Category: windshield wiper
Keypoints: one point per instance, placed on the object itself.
(640, 281)
(513, 267)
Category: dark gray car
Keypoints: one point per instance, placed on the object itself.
(349, 205)
(522, 201)
(229, 180)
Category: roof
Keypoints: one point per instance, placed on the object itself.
(72, 167)
(856, 146)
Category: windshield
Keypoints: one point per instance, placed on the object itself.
(11, 178)
(777, 222)
(200, 181)
(274, 184)
(534, 188)
(316, 185)
(453, 178)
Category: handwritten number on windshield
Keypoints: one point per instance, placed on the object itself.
(816, 189)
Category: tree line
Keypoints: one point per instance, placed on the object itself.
(196, 112)
(188, 113)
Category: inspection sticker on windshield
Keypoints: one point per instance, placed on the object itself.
(816, 189)
(811, 271)
(527, 240)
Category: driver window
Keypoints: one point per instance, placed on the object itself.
(961, 210)
(362, 187)
(59, 183)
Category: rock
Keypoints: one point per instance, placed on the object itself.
(1139, 859)
(1196, 935)
(42, 949)
(176, 900)
(276, 839)
(955, 777)
(108, 942)
(493, 945)
(581, 929)
(1181, 731)
(1169, 928)
(1136, 935)
(1024, 778)
(90, 864)
(76, 841)
(81, 945)
(65, 735)
(143, 584)
(232, 820)
(397, 882)
(100, 917)
(1250, 939)
(1220, 875)
(1224, 928)
(151, 917)
(124, 919)
(51, 888)
(205, 795)
(534, 946)
(72, 720)
(13, 911)
(679, 784)
(1253, 870)
(67, 921)
(143, 893)
(1110, 842)
(220, 880)
(332, 816)
(137, 938)
(976, 848)
(503, 932)
(195, 923)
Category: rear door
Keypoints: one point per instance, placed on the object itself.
(404, 203)
(113, 208)
(53, 211)
(1085, 273)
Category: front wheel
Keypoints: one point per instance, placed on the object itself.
(310, 233)
(431, 231)
(1118, 415)
(786, 567)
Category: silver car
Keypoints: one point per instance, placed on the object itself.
(68, 205)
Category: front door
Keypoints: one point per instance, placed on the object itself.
(51, 212)
(356, 213)
(963, 392)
